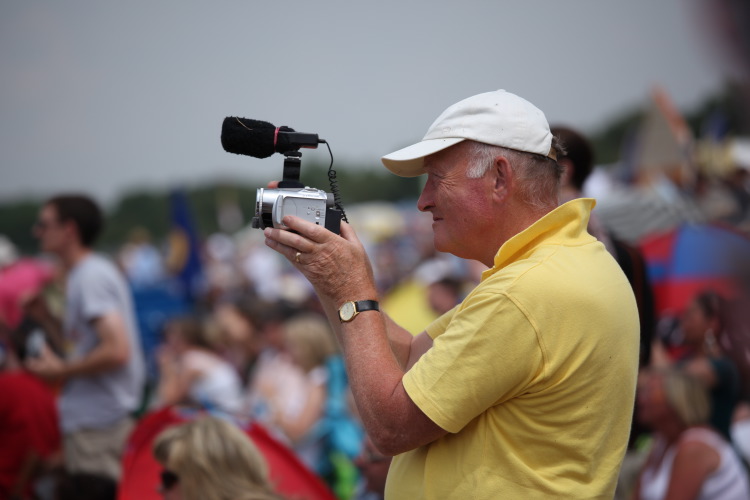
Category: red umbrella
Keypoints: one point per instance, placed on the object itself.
(140, 477)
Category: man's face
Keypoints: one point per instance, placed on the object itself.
(460, 207)
(52, 234)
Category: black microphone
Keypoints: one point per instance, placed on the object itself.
(261, 139)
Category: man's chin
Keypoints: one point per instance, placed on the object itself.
(453, 248)
(441, 245)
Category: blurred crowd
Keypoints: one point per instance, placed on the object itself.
(692, 411)
(245, 339)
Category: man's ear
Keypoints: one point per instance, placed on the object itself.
(503, 178)
(568, 170)
(70, 228)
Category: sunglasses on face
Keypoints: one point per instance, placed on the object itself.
(168, 480)
(44, 224)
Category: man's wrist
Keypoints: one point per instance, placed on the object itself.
(352, 308)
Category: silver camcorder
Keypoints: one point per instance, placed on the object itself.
(310, 204)
(261, 139)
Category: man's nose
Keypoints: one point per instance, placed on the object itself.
(424, 203)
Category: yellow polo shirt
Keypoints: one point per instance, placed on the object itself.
(533, 374)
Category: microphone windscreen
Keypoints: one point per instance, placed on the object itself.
(243, 136)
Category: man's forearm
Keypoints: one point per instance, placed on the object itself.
(100, 359)
(399, 339)
(372, 344)
(375, 357)
(112, 352)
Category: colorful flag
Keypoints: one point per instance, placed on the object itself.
(183, 254)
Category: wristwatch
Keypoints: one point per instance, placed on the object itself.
(349, 310)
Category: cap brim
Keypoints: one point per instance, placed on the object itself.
(409, 162)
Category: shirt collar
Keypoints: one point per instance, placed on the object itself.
(566, 224)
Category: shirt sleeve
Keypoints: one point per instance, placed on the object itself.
(99, 295)
(488, 353)
(437, 327)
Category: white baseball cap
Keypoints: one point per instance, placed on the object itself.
(498, 118)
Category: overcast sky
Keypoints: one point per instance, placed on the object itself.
(103, 97)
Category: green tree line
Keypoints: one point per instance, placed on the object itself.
(150, 209)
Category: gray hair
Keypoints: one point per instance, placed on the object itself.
(538, 176)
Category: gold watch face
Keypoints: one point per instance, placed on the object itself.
(347, 311)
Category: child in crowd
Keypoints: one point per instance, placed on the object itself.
(192, 372)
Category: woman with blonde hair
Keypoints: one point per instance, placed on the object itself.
(309, 342)
(211, 459)
(688, 458)
(192, 372)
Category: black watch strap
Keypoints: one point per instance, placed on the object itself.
(349, 310)
(367, 305)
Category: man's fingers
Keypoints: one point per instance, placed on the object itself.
(281, 238)
(275, 239)
(347, 232)
(305, 229)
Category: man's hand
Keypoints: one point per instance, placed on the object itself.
(47, 365)
(337, 266)
(112, 352)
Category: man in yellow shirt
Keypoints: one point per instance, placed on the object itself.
(524, 390)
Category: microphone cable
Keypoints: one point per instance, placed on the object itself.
(335, 184)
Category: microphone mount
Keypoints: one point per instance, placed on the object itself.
(292, 168)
